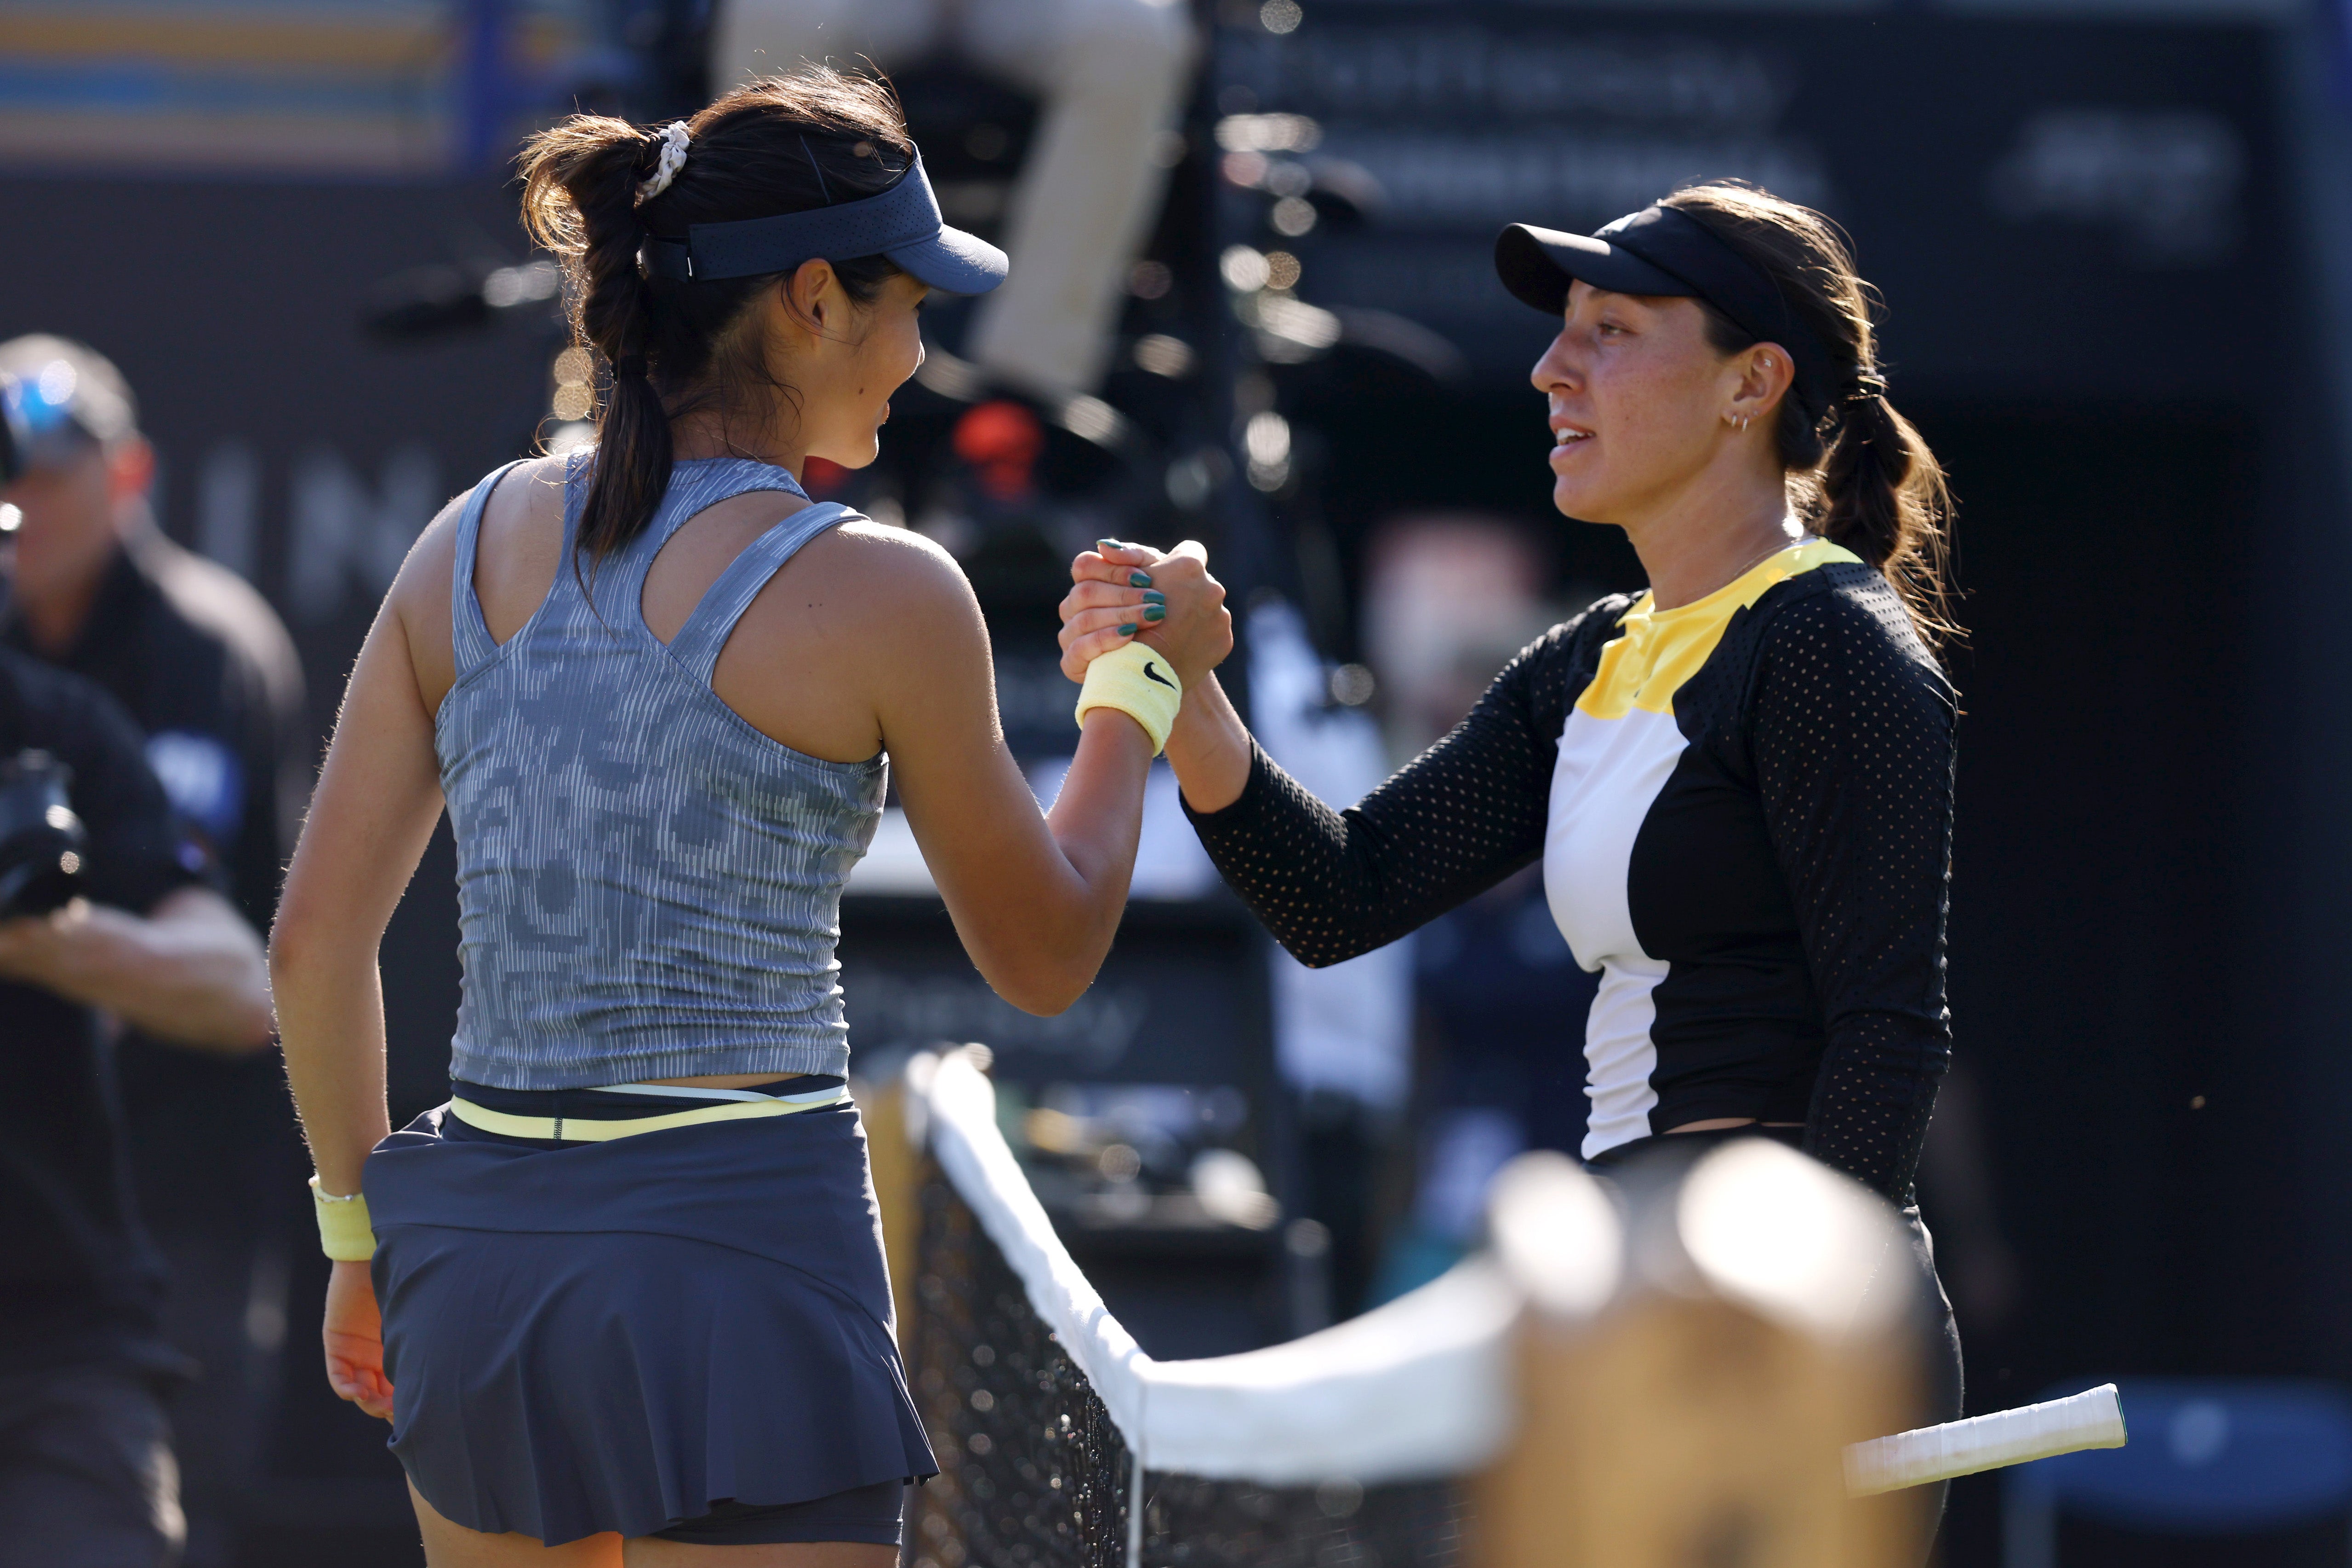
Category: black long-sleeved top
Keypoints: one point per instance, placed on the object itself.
(1744, 809)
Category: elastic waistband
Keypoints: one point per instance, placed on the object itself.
(599, 1114)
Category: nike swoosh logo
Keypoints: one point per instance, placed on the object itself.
(1152, 673)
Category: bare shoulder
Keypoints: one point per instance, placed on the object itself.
(861, 549)
(417, 607)
(422, 584)
(521, 534)
(522, 525)
(528, 499)
(867, 577)
(858, 615)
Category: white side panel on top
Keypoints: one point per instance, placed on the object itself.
(1608, 776)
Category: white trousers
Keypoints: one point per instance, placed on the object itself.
(1110, 73)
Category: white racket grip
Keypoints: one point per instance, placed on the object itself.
(2091, 1419)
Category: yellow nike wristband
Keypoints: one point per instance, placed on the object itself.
(1137, 681)
(345, 1233)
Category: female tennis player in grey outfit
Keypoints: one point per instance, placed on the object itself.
(633, 1303)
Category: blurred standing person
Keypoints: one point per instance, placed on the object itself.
(207, 671)
(87, 1474)
(1110, 73)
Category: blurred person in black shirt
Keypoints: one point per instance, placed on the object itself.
(206, 671)
(87, 1475)
(200, 660)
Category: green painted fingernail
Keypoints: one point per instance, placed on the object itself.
(1102, 545)
(1127, 631)
(1153, 596)
(1139, 579)
(1155, 613)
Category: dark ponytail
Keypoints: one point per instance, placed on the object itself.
(1886, 500)
(580, 188)
(783, 144)
(1859, 474)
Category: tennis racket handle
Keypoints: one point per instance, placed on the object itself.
(2092, 1419)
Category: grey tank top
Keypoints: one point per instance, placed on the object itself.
(647, 886)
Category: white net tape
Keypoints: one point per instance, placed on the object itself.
(1291, 1415)
(1328, 1405)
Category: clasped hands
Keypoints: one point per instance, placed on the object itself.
(1123, 592)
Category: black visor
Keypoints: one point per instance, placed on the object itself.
(1666, 251)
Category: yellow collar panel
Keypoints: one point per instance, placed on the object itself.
(1655, 650)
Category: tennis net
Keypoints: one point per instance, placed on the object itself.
(1061, 1442)
(1033, 1471)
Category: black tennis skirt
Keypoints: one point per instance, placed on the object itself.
(622, 1336)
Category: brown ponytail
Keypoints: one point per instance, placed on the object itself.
(783, 144)
(1860, 475)
(579, 185)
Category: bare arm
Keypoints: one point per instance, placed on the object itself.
(377, 800)
(1210, 748)
(1035, 897)
(188, 971)
(376, 803)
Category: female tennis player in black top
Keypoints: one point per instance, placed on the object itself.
(1740, 782)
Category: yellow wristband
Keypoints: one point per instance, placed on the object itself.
(344, 1231)
(1137, 681)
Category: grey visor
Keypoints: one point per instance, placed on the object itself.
(902, 223)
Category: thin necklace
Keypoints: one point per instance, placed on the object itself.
(1805, 537)
(1757, 560)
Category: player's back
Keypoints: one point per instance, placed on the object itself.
(648, 886)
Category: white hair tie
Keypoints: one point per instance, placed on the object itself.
(673, 158)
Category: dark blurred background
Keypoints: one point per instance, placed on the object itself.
(2115, 246)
